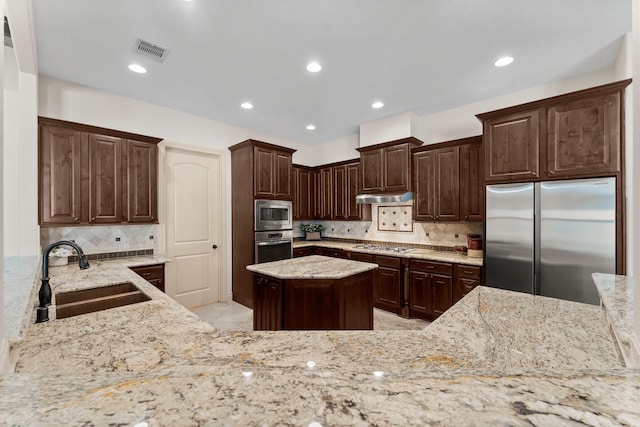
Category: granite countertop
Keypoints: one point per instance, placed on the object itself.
(426, 254)
(312, 267)
(495, 358)
(618, 295)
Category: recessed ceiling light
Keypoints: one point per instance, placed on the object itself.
(501, 62)
(311, 127)
(377, 104)
(314, 67)
(247, 105)
(137, 68)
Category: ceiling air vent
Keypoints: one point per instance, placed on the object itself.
(150, 50)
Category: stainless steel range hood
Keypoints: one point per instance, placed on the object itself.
(365, 199)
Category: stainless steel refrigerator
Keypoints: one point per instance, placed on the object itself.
(547, 238)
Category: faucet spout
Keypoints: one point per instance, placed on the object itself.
(44, 295)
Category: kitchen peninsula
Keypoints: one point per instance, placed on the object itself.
(313, 292)
(495, 358)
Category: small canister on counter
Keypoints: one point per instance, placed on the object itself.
(475, 246)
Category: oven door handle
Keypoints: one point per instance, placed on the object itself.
(279, 242)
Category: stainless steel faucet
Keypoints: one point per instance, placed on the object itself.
(44, 295)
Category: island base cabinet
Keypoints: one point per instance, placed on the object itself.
(267, 308)
(307, 304)
(327, 304)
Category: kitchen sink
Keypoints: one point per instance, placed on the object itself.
(85, 301)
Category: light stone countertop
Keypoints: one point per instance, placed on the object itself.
(617, 295)
(425, 254)
(21, 274)
(312, 267)
(495, 358)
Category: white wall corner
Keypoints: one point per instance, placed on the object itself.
(623, 65)
(20, 16)
(390, 128)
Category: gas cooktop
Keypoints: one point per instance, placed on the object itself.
(382, 248)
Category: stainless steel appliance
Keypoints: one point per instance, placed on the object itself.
(273, 215)
(273, 245)
(547, 238)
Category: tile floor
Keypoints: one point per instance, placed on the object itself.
(231, 316)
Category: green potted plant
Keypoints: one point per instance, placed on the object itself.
(312, 231)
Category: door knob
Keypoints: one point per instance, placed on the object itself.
(214, 247)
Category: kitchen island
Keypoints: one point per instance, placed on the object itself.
(495, 358)
(313, 292)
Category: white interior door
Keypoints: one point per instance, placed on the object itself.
(194, 212)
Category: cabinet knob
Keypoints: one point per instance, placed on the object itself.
(75, 218)
(466, 217)
(214, 247)
(153, 217)
(93, 219)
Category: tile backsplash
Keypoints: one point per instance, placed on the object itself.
(100, 239)
(423, 233)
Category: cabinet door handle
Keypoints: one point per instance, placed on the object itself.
(145, 274)
(467, 272)
(152, 217)
(75, 218)
(93, 219)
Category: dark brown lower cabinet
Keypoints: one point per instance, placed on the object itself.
(430, 288)
(267, 307)
(153, 274)
(388, 291)
(467, 277)
(325, 304)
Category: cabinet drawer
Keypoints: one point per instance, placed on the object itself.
(387, 261)
(335, 253)
(357, 256)
(149, 272)
(432, 267)
(466, 285)
(304, 251)
(468, 271)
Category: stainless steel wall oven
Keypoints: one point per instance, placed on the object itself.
(273, 245)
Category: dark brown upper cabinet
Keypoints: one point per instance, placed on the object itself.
(584, 136)
(472, 180)
(105, 179)
(353, 188)
(324, 192)
(340, 192)
(436, 184)
(60, 183)
(575, 135)
(346, 186)
(91, 175)
(448, 181)
(512, 145)
(272, 172)
(141, 189)
(386, 167)
(303, 193)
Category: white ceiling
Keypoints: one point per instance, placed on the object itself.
(419, 55)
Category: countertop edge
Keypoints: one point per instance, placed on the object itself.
(420, 254)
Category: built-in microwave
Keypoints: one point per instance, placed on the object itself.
(273, 215)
